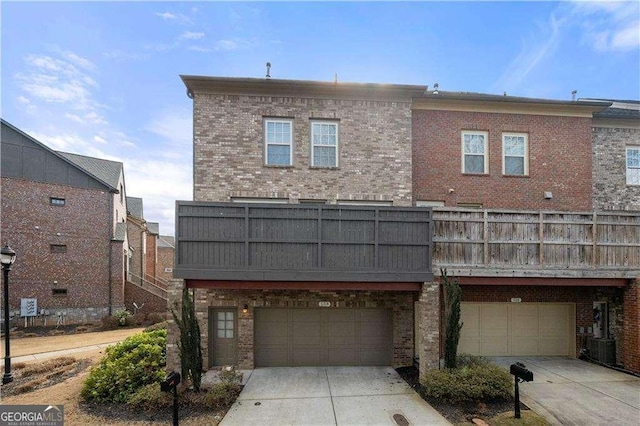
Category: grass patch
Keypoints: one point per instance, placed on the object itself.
(51, 365)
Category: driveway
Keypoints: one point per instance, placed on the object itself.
(329, 396)
(569, 391)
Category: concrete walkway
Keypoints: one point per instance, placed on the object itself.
(56, 354)
(568, 391)
(329, 396)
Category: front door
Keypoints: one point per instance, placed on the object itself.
(222, 333)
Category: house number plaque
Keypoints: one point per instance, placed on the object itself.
(324, 304)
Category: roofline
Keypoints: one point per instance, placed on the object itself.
(66, 160)
(300, 88)
(471, 96)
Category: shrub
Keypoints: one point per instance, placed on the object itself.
(467, 384)
(126, 367)
(150, 397)
(156, 317)
(109, 322)
(468, 360)
(157, 326)
(452, 295)
(222, 395)
(123, 316)
(137, 318)
(189, 344)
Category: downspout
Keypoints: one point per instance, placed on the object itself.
(110, 200)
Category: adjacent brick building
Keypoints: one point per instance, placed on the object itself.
(61, 213)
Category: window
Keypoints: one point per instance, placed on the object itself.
(514, 154)
(470, 205)
(474, 152)
(633, 165)
(255, 200)
(225, 326)
(429, 203)
(56, 201)
(58, 248)
(324, 144)
(59, 292)
(278, 142)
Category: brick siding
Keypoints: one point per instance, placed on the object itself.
(610, 189)
(165, 260)
(631, 327)
(151, 302)
(30, 224)
(559, 161)
(374, 149)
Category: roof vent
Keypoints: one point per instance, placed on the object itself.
(435, 88)
(268, 70)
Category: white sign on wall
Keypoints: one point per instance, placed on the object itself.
(324, 304)
(28, 307)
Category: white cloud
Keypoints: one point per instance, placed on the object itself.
(190, 35)
(608, 26)
(99, 139)
(233, 44)
(174, 17)
(23, 100)
(199, 49)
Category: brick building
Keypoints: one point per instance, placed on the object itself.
(333, 248)
(62, 214)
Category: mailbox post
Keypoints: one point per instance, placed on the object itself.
(171, 381)
(520, 374)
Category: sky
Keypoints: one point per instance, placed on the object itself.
(102, 78)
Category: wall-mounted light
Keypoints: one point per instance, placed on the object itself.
(245, 309)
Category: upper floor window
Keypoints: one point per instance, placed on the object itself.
(324, 144)
(58, 248)
(514, 154)
(57, 201)
(278, 141)
(474, 152)
(633, 165)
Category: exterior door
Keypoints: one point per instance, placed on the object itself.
(222, 336)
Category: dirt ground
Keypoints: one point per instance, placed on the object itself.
(67, 392)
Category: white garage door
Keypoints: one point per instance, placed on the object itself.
(518, 329)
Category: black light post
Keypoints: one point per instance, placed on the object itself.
(7, 257)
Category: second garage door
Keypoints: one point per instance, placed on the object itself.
(517, 329)
(316, 337)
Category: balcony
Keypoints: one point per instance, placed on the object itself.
(471, 242)
(298, 242)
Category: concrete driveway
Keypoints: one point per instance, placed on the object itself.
(329, 396)
(573, 392)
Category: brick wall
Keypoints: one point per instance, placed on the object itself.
(152, 256)
(631, 327)
(149, 302)
(559, 161)
(136, 235)
(610, 189)
(400, 302)
(429, 327)
(30, 224)
(374, 149)
(165, 260)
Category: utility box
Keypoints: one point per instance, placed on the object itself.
(603, 350)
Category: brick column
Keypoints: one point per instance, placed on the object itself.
(631, 327)
(174, 302)
(429, 327)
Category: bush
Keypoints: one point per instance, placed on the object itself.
(468, 384)
(137, 318)
(157, 326)
(222, 395)
(109, 323)
(468, 360)
(150, 397)
(124, 317)
(126, 367)
(156, 317)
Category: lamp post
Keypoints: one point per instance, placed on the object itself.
(7, 257)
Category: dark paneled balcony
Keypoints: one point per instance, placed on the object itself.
(297, 242)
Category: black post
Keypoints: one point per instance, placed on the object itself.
(8, 376)
(517, 399)
(175, 406)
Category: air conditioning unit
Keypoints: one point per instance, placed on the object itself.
(603, 350)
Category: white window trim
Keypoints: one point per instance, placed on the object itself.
(486, 150)
(266, 144)
(626, 164)
(336, 124)
(526, 153)
(429, 203)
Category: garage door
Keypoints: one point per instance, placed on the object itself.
(316, 337)
(517, 329)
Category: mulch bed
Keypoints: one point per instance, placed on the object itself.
(22, 384)
(458, 413)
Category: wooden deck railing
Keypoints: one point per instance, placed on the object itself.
(524, 243)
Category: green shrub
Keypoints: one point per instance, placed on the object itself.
(123, 316)
(222, 395)
(126, 367)
(150, 397)
(156, 317)
(468, 384)
(468, 360)
(157, 326)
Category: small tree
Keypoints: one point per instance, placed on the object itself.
(452, 292)
(189, 344)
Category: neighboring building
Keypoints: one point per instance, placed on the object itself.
(166, 253)
(616, 156)
(153, 232)
(300, 279)
(61, 214)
